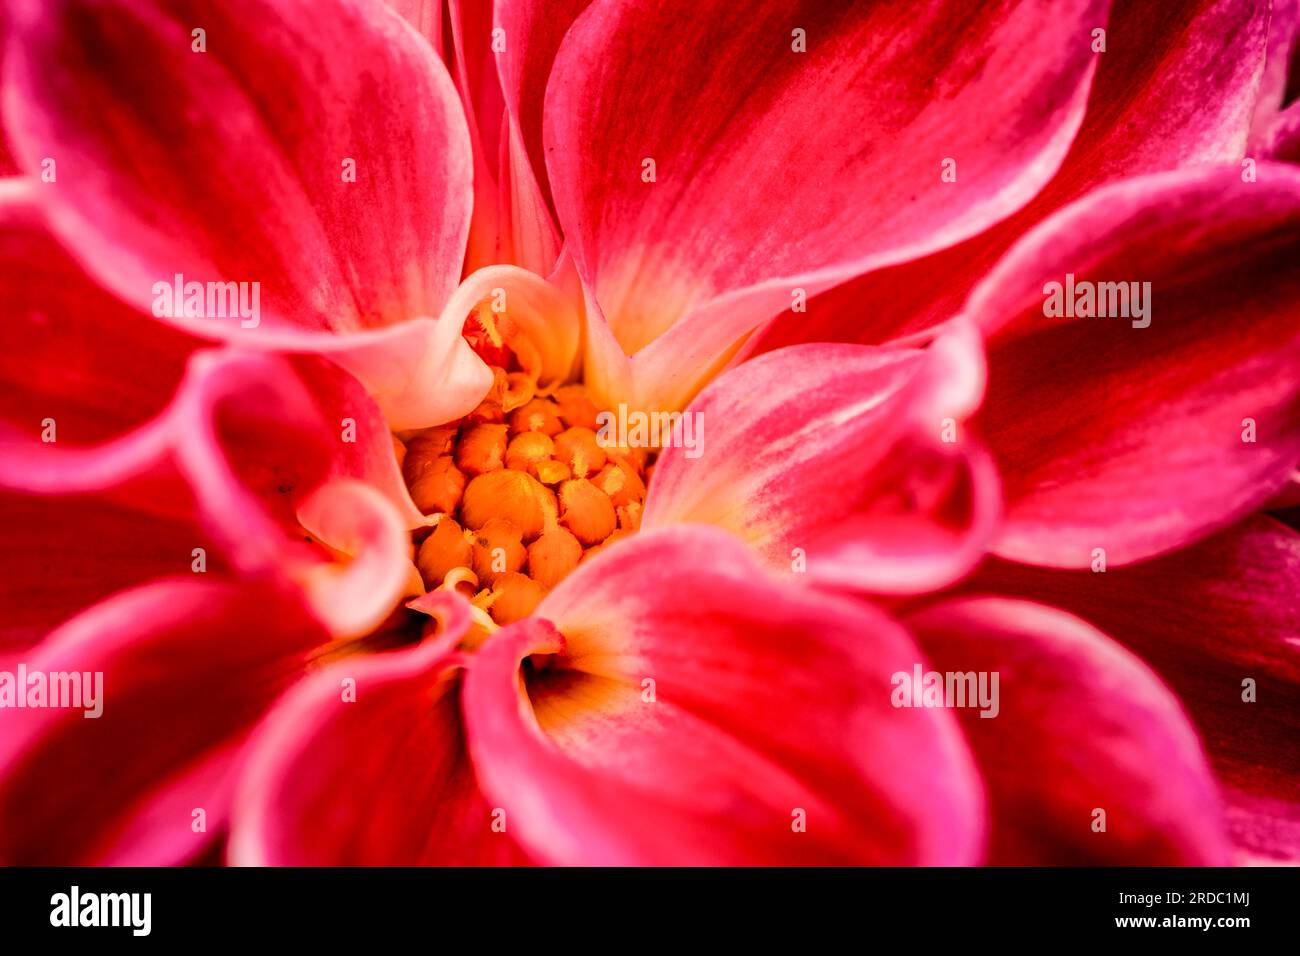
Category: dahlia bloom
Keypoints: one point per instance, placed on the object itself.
(364, 576)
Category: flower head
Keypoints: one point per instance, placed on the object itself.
(613, 432)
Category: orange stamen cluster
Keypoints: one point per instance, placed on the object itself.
(523, 492)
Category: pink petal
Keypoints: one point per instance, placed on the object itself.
(365, 447)
(1134, 440)
(1081, 725)
(63, 377)
(162, 149)
(1281, 140)
(243, 451)
(767, 701)
(258, 457)
(835, 456)
(1283, 31)
(1207, 618)
(763, 182)
(421, 372)
(383, 779)
(546, 313)
(532, 34)
(1289, 496)
(204, 659)
(425, 16)
(480, 95)
(1175, 88)
(354, 596)
(529, 236)
(62, 554)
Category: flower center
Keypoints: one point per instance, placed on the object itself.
(523, 488)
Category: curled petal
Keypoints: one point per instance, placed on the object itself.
(262, 162)
(258, 456)
(774, 168)
(1141, 434)
(851, 460)
(1281, 140)
(1283, 31)
(1218, 622)
(420, 373)
(683, 707)
(1077, 726)
(206, 657)
(382, 778)
(546, 315)
(365, 448)
(1174, 88)
(239, 453)
(356, 595)
(78, 368)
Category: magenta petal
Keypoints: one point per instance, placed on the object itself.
(474, 58)
(63, 554)
(365, 448)
(777, 169)
(258, 455)
(1289, 496)
(66, 382)
(425, 16)
(1079, 726)
(1283, 32)
(533, 30)
(684, 707)
(204, 659)
(848, 462)
(1175, 88)
(1281, 140)
(236, 164)
(365, 764)
(1208, 619)
(243, 452)
(1132, 439)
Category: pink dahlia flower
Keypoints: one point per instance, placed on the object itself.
(338, 337)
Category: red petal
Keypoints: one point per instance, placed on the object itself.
(1136, 440)
(365, 447)
(229, 165)
(243, 450)
(381, 779)
(1281, 140)
(763, 182)
(532, 34)
(836, 454)
(1283, 31)
(67, 383)
(768, 706)
(425, 16)
(1174, 88)
(1207, 619)
(62, 554)
(1080, 725)
(480, 94)
(205, 659)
